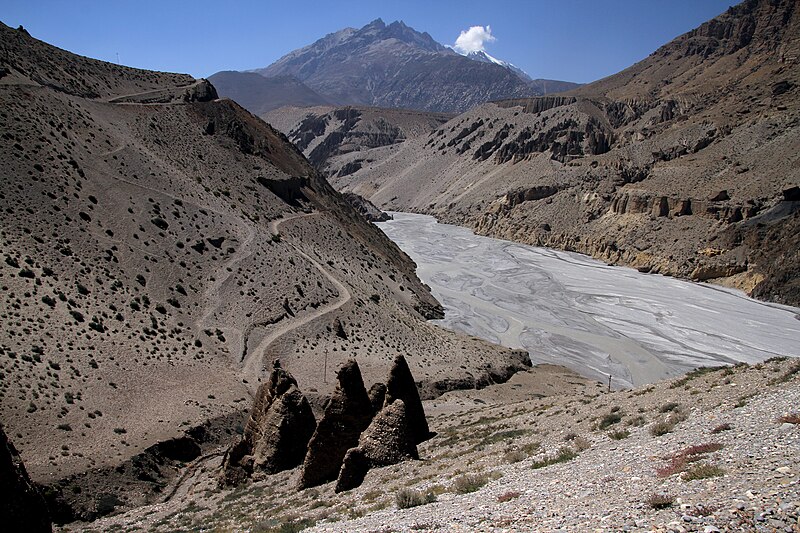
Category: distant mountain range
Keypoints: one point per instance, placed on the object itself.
(260, 95)
(384, 66)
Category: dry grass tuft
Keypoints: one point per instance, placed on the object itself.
(680, 461)
(508, 496)
(660, 501)
(702, 471)
(469, 483)
(406, 498)
(564, 454)
(619, 435)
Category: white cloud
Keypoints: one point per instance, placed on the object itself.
(473, 39)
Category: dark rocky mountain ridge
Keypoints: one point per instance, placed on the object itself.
(259, 95)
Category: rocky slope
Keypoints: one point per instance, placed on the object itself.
(259, 95)
(712, 451)
(396, 66)
(341, 140)
(160, 247)
(684, 164)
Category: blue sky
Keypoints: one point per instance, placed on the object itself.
(573, 40)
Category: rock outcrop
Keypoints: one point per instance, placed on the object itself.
(347, 413)
(388, 440)
(277, 432)
(401, 386)
(377, 397)
(366, 208)
(22, 507)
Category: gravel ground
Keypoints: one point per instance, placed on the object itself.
(723, 425)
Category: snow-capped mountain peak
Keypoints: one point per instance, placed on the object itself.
(483, 57)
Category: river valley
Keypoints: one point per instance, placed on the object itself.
(599, 320)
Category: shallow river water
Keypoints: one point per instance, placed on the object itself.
(572, 310)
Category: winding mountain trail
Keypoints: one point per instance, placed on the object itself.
(184, 481)
(253, 359)
(222, 274)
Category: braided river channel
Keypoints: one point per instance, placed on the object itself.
(569, 309)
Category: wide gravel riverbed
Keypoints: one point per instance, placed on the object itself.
(570, 309)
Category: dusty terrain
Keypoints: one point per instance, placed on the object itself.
(715, 450)
(339, 141)
(684, 164)
(160, 247)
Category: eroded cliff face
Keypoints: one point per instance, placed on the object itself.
(684, 164)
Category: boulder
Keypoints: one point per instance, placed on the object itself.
(277, 432)
(22, 507)
(347, 413)
(719, 196)
(388, 440)
(401, 386)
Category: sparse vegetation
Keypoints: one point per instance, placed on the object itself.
(469, 483)
(725, 426)
(609, 420)
(681, 460)
(668, 407)
(619, 434)
(660, 501)
(562, 456)
(662, 427)
(508, 496)
(406, 498)
(793, 418)
(788, 375)
(702, 471)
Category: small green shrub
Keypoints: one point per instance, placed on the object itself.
(662, 428)
(702, 471)
(581, 444)
(741, 401)
(609, 420)
(564, 454)
(619, 435)
(668, 407)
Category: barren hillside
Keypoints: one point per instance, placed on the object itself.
(160, 247)
(684, 164)
(340, 141)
